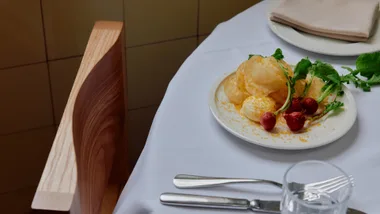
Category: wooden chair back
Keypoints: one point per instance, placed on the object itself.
(89, 145)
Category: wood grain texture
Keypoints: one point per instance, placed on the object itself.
(91, 125)
(98, 121)
(110, 199)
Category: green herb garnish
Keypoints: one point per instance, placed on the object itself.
(278, 54)
(251, 55)
(329, 75)
(300, 72)
(368, 64)
(353, 78)
(329, 107)
(326, 72)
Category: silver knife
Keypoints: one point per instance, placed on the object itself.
(176, 199)
(219, 202)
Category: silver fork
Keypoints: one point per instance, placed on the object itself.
(328, 186)
(194, 181)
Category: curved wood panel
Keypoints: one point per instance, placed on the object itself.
(98, 121)
(58, 182)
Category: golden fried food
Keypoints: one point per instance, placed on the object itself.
(254, 106)
(234, 93)
(240, 76)
(299, 88)
(260, 85)
(264, 76)
(315, 88)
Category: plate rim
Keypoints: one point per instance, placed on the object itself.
(213, 108)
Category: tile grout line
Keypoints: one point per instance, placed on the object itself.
(162, 41)
(81, 55)
(66, 57)
(123, 4)
(27, 130)
(35, 63)
(148, 106)
(47, 64)
(125, 34)
(198, 11)
(18, 189)
(75, 56)
(22, 65)
(206, 34)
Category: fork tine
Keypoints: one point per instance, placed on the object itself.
(329, 190)
(323, 182)
(326, 182)
(339, 185)
(333, 183)
(331, 187)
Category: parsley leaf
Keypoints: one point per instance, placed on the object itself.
(356, 81)
(375, 79)
(368, 64)
(329, 107)
(332, 106)
(278, 54)
(251, 55)
(326, 72)
(302, 69)
(300, 72)
(351, 77)
(352, 71)
(329, 75)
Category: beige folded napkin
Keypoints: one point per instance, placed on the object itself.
(350, 20)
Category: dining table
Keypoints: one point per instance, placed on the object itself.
(185, 138)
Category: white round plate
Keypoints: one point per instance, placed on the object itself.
(327, 130)
(324, 45)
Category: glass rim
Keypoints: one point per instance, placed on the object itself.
(324, 207)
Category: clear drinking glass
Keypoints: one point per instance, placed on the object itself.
(296, 200)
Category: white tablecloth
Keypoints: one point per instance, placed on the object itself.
(185, 138)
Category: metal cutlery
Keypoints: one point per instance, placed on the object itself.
(188, 200)
(256, 205)
(327, 186)
(195, 181)
(184, 181)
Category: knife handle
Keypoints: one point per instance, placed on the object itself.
(195, 181)
(188, 200)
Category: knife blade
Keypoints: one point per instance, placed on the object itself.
(188, 200)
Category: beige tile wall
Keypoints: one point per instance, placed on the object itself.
(26, 101)
(213, 12)
(21, 157)
(42, 42)
(68, 23)
(160, 20)
(62, 76)
(22, 39)
(147, 81)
